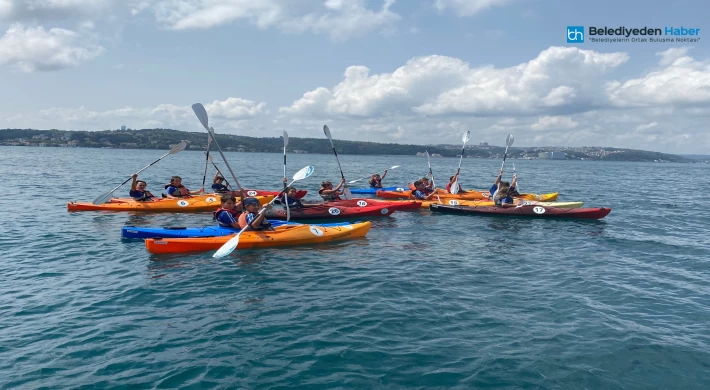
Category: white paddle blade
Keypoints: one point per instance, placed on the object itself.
(509, 140)
(395, 167)
(326, 130)
(103, 198)
(303, 173)
(285, 138)
(228, 247)
(178, 148)
(466, 136)
(455, 187)
(201, 113)
(354, 181)
(347, 194)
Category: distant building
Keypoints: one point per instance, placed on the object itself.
(552, 155)
(123, 128)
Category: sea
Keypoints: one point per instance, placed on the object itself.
(425, 301)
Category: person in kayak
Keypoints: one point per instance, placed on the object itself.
(498, 184)
(452, 179)
(328, 193)
(290, 195)
(376, 180)
(421, 193)
(250, 219)
(138, 190)
(218, 184)
(502, 197)
(227, 215)
(176, 190)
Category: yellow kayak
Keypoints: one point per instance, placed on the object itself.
(469, 195)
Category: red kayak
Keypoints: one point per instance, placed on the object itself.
(328, 211)
(532, 211)
(299, 193)
(363, 202)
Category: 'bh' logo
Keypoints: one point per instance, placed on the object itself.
(575, 34)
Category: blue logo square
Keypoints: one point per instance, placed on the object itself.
(575, 34)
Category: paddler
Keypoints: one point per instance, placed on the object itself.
(420, 192)
(228, 213)
(502, 196)
(251, 219)
(511, 187)
(218, 183)
(290, 196)
(138, 190)
(176, 190)
(452, 179)
(376, 180)
(328, 193)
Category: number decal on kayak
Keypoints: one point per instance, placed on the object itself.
(251, 193)
(183, 203)
(453, 202)
(400, 189)
(334, 211)
(210, 200)
(384, 211)
(316, 231)
(539, 210)
(361, 203)
(526, 203)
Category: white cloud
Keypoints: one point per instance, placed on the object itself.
(468, 7)
(680, 80)
(231, 112)
(36, 49)
(559, 80)
(554, 123)
(338, 18)
(646, 126)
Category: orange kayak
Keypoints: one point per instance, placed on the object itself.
(470, 195)
(282, 235)
(186, 205)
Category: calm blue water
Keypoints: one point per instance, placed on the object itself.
(425, 301)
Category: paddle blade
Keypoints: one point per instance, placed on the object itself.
(347, 194)
(285, 138)
(466, 136)
(395, 167)
(303, 173)
(509, 140)
(228, 247)
(288, 209)
(326, 130)
(178, 148)
(354, 181)
(455, 187)
(103, 198)
(201, 113)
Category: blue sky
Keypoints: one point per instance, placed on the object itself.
(390, 71)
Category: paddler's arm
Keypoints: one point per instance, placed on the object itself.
(134, 182)
(383, 175)
(260, 218)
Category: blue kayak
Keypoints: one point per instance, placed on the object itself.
(206, 231)
(372, 190)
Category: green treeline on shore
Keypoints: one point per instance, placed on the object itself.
(163, 138)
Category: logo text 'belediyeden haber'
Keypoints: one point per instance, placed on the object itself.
(575, 34)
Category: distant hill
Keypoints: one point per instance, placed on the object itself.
(163, 138)
(704, 157)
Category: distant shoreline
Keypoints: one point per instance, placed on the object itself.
(161, 139)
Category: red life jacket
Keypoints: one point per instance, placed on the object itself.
(235, 213)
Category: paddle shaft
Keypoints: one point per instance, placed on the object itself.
(143, 169)
(207, 158)
(225, 160)
(433, 183)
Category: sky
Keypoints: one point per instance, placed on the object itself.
(414, 71)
